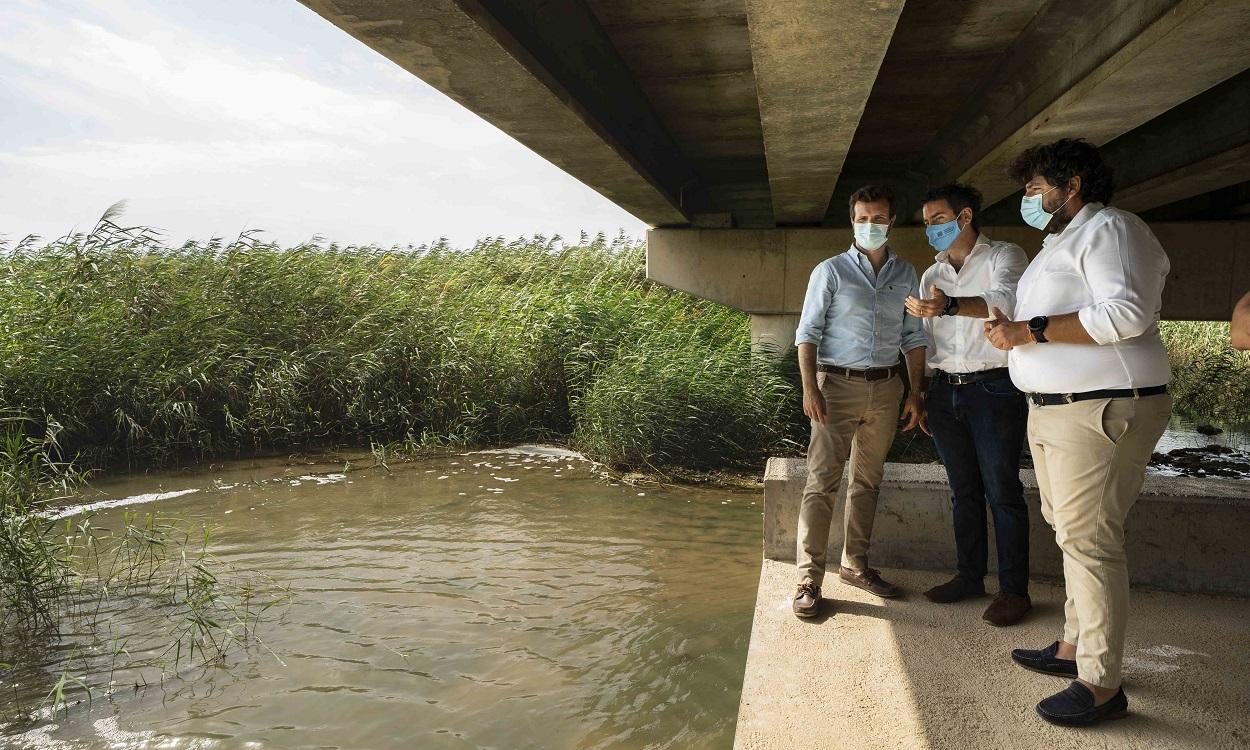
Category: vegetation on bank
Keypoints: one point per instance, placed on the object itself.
(132, 353)
(141, 353)
(72, 576)
(1210, 379)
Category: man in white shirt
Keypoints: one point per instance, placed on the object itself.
(977, 417)
(1085, 349)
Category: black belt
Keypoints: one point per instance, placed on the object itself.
(1053, 399)
(964, 378)
(872, 373)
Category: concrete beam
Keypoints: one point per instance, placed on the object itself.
(1221, 170)
(815, 63)
(1199, 146)
(512, 64)
(1094, 70)
(765, 271)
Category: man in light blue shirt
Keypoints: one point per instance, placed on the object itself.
(853, 327)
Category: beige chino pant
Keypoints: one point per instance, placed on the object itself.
(862, 418)
(1091, 461)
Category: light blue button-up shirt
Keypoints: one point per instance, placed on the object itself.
(857, 318)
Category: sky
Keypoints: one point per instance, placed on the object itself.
(212, 117)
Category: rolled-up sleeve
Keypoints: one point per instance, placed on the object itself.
(1125, 268)
(1009, 264)
(913, 329)
(820, 288)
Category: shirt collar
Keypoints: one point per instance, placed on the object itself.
(1087, 212)
(859, 255)
(982, 241)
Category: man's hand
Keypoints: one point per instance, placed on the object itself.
(814, 405)
(914, 413)
(1006, 334)
(927, 308)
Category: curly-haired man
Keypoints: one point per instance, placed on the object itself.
(1085, 347)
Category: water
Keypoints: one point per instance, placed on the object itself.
(1183, 433)
(488, 600)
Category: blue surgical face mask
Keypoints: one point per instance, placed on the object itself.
(1032, 212)
(871, 236)
(943, 235)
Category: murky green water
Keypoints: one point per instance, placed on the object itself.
(483, 601)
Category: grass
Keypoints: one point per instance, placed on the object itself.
(72, 576)
(142, 353)
(131, 353)
(1210, 379)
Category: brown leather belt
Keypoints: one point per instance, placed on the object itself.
(871, 374)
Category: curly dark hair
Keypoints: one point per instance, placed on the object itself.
(872, 194)
(1062, 160)
(959, 197)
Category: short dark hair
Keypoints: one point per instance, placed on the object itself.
(1062, 160)
(872, 194)
(959, 197)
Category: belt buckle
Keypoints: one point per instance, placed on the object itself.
(959, 380)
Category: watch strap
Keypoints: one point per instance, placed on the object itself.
(1037, 327)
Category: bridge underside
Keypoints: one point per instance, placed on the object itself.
(751, 120)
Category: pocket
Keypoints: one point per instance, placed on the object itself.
(1000, 387)
(1113, 417)
(894, 293)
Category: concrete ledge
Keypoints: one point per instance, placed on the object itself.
(1184, 534)
(911, 675)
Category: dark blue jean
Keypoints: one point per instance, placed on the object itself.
(979, 429)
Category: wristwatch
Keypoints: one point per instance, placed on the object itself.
(952, 306)
(1037, 327)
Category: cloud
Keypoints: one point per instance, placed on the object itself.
(207, 134)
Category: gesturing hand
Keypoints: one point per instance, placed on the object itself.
(927, 308)
(1004, 333)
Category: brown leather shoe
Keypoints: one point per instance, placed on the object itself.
(871, 581)
(953, 590)
(807, 599)
(1007, 609)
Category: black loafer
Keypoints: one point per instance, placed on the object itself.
(1074, 707)
(1044, 661)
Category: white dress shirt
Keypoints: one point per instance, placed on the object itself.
(957, 343)
(1108, 267)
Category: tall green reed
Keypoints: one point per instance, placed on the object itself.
(1210, 379)
(143, 352)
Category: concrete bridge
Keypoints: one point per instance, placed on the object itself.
(737, 128)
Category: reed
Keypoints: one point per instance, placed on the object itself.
(143, 353)
(135, 353)
(1210, 379)
(72, 576)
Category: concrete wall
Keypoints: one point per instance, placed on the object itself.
(1183, 534)
(765, 271)
(773, 334)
